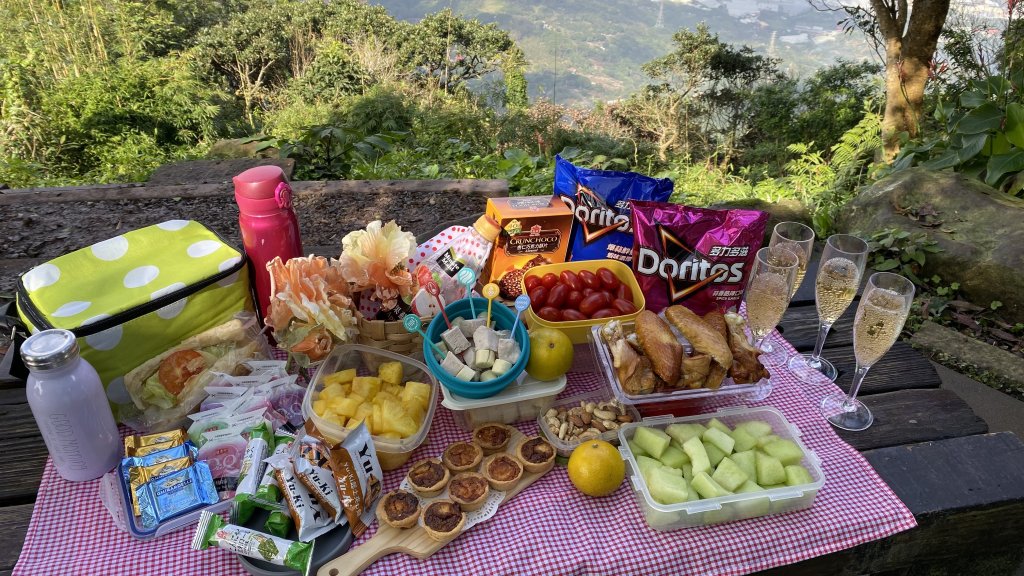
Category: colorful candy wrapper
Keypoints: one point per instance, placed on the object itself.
(286, 397)
(599, 200)
(357, 472)
(697, 257)
(310, 519)
(202, 431)
(134, 442)
(260, 444)
(278, 523)
(213, 531)
(224, 455)
(179, 451)
(312, 467)
(176, 493)
(139, 475)
(267, 493)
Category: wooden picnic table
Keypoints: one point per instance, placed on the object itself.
(964, 486)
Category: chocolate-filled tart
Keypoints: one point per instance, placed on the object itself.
(492, 437)
(443, 520)
(428, 477)
(469, 490)
(502, 471)
(536, 453)
(398, 509)
(462, 456)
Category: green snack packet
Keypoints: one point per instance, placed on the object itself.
(267, 493)
(213, 531)
(279, 523)
(259, 446)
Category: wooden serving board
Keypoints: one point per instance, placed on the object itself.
(412, 541)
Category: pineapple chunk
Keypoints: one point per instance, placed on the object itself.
(391, 372)
(319, 407)
(419, 391)
(366, 386)
(396, 419)
(332, 391)
(345, 406)
(383, 397)
(377, 420)
(391, 435)
(414, 409)
(364, 411)
(353, 423)
(340, 377)
(334, 418)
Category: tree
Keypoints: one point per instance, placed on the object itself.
(451, 50)
(905, 34)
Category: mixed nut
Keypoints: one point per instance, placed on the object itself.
(587, 421)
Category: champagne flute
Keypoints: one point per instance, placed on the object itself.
(839, 272)
(767, 296)
(798, 239)
(880, 317)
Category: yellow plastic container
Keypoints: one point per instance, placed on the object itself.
(579, 330)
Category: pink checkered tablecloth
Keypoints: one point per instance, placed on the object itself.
(548, 529)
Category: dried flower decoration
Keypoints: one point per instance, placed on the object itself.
(375, 261)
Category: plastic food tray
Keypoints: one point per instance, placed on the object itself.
(677, 402)
(579, 330)
(565, 448)
(391, 452)
(734, 506)
(523, 400)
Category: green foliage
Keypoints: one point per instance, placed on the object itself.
(334, 153)
(448, 50)
(901, 252)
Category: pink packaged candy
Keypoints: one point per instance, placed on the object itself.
(697, 257)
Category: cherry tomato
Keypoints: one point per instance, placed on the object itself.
(570, 278)
(572, 315)
(608, 279)
(572, 300)
(623, 306)
(550, 314)
(589, 279)
(605, 313)
(594, 302)
(549, 280)
(557, 295)
(531, 282)
(538, 296)
(624, 292)
(588, 292)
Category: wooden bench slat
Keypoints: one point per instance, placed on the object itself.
(800, 327)
(22, 471)
(14, 520)
(901, 368)
(909, 416)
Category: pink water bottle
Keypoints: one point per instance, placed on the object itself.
(268, 223)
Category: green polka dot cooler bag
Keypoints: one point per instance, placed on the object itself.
(133, 296)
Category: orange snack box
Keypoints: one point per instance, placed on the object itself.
(534, 231)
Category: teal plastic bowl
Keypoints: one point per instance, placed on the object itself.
(503, 319)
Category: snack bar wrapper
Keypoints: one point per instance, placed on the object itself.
(358, 474)
(697, 257)
(599, 200)
(213, 531)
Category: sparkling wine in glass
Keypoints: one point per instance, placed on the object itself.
(880, 317)
(798, 239)
(767, 296)
(839, 272)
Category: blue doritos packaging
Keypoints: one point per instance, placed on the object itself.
(599, 200)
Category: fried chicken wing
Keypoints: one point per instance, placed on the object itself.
(746, 368)
(660, 345)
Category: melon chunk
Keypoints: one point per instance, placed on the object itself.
(715, 455)
(720, 439)
(769, 470)
(743, 440)
(666, 487)
(718, 425)
(765, 440)
(755, 428)
(707, 487)
(645, 465)
(797, 475)
(683, 432)
(674, 457)
(785, 450)
(729, 475)
(652, 440)
(745, 460)
(636, 449)
(699, 460)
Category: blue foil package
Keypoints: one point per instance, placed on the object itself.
(176, 493)
(179, 451)
(599, 200)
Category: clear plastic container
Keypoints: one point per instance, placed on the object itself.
(733, 506)
(677, 402)
(522, 400)
(564, 447)
(392, 453)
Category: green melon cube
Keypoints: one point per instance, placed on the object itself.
(645, 464)
(694, 496)
(749, 486)
(683, 432)
(753, 507)
(688, 471)
(745, 460)
(715, 454)
(718, 425)
(707, 487)
(773, 486)
(666, 487)
(785, 450)
(729, 475)
(765, 440)
(724, 514)
(698, 455)
(743, 440)
(674, 457)
(797, 475)
(723, 441)
(636, 449)
(652, 440)
(769, 470)
(755, 428)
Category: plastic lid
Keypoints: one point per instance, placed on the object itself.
(259, 183)
(526, 389)
(487, 227)
(49, 349)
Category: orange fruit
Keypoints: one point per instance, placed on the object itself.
(596, 468)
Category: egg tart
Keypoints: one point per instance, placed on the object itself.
(492, 437)
(536, 453)
(469, 490)
(443, 520)
(428, 477)
(462, 456)
(502, 471)
(398, 509)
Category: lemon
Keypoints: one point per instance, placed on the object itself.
(596, 468)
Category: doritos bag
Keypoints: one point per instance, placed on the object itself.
(697, 257)
(599, 200)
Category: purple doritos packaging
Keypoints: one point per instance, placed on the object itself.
(599, 200)
(697, 257)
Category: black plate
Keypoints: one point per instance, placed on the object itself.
(328, 547)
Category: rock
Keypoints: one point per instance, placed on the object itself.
(1007, 368)
(239, 148)
(781, 211)
(979, 229)
(192, 172)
